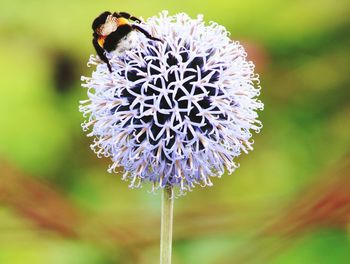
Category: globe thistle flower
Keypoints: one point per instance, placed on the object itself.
(176, 112)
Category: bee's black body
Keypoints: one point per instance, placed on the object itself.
(109, 29)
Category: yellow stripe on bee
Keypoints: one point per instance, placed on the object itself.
(101, 41)
(122, 21)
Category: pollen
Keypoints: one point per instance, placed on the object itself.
(122, 21)
(101, 41)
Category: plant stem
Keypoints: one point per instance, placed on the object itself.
(166, 231)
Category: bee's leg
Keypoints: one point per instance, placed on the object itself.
(101, 53)
(109, 66)
(128, 16)
(148, 35)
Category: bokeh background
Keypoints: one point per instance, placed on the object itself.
(289, 202)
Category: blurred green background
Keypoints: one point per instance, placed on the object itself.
(289, 202)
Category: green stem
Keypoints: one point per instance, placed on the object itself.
(166, 231)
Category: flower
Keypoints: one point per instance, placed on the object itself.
(176, 112)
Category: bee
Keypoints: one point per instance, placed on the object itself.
(111, 32)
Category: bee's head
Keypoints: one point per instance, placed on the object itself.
(100, 20)
(107, 23)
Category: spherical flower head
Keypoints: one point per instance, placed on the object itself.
(176, 112)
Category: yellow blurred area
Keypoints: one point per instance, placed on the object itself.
(289, 202)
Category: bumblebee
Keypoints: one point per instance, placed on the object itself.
(111, 32)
